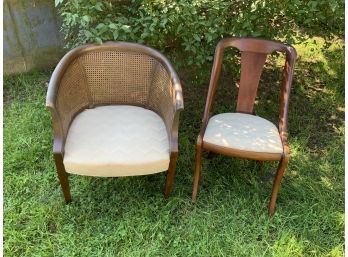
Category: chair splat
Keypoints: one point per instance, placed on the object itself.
(251, 69)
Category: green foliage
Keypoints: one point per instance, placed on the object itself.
(191, 29)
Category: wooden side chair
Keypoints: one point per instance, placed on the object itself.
(242, 134)
(115, 111)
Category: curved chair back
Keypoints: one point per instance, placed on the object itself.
(113, 73)
(253, 56)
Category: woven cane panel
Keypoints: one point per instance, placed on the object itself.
(116, 77)
(71, 95)
(161, 97)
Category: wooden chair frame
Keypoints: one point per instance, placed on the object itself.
(253, 54)
(60, 134)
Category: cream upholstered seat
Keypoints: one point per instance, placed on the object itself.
(116, 140)
(243, 132)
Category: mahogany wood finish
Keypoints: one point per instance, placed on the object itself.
(198, 169)
(64, 106)
(253, 55)
(63, 176)
(252, 64)
(170, 174)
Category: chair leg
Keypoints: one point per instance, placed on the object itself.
(198, 168)
(276, 184)
(259, 163)
(211, 155)
(170, 174)
(63, 177)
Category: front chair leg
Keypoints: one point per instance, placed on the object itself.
(170, 174)
(63, 177)
(198, 168)
(276, 184)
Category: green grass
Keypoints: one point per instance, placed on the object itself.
(130, 217)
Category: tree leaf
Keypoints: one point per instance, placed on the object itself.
(58, 2)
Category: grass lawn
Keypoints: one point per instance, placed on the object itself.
(130, 217)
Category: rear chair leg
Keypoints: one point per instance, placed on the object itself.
(63, 177)
(259, 164)
(198, 168)
(276, 184)
(211, 155)
(170, 174)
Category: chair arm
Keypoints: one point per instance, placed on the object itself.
(286, 148)
(213, 84)
(177, 89)
(284, 97)
(51, 98)
(165, 98)
(178, 107)
(63, 104)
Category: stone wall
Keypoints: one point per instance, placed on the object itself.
(31, 37)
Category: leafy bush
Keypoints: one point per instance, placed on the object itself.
(191, 28)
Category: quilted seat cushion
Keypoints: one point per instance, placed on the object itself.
(243, 132)
(116, 140)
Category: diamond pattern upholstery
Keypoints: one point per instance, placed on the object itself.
(116, 140)
(243, 132)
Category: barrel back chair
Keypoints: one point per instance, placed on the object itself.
(242, 134)
(115, 111)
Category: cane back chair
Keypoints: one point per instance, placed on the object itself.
(242, 134)
(115, 111)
